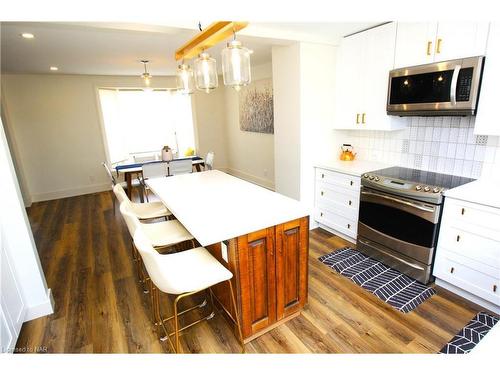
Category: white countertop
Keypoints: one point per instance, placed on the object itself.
(214, 206)
(484, 192)
(353, 168)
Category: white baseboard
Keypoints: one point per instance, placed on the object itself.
(89, 189)
(268, 184)
(44, 308)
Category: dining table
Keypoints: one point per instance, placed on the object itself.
(132, 167)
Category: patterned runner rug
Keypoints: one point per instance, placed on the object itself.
(469, 336)
(391, 286)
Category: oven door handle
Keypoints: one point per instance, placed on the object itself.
(414, 205)
(453, 86)
(399, 259)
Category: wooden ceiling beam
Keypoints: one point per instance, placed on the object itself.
(213, 34)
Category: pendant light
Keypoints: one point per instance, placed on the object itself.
(185, 79)
(146, 76)
(236, 65)
(205, 73)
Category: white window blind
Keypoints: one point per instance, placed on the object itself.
(138, 121)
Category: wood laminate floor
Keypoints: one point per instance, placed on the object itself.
(84, 248)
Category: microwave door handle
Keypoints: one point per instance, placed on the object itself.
(453, 87)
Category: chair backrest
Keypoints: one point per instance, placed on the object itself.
(130, 219)
(142, 158)
(209, 160)
(180, 167)
(120, 193)
(109, 173)
(151, 170)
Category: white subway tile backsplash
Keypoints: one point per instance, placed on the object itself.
(439, 144)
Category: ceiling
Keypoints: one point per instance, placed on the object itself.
(117, 48)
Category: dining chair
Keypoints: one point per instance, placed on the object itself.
(209, 161)
(143, 211)
(114, 182)
(181, 166)
(152, 170)
(162, 235)
(183, 274)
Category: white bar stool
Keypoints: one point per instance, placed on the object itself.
(143, 211)
(183, 274)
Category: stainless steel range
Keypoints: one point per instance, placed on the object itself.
(399, 217)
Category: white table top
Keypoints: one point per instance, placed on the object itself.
(483, 191)
(214, 206)
(354, 167)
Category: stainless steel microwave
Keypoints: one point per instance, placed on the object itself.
(447, 88)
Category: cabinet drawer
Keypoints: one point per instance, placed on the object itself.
(471, 246)
(467, 215)
(485, 286)
(339, 179)
(338, 200)
(342, 224)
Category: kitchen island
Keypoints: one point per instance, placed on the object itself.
(262, 237)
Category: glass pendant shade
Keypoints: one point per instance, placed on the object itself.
(236, 65)
(185, 79)
(147, 78)
(205, 73)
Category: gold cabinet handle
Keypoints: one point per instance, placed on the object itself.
(452, 269)
(363, 118)
(429, 48)
(357, 118)
(458, 238)
(438, 45)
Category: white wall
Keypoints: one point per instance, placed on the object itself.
(250, 155)
(286, 88)
(18, 243)
(55, 122)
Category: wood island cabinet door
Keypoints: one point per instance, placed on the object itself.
(291, 266)
(256, 258)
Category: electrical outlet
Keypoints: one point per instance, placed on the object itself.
(223, 249)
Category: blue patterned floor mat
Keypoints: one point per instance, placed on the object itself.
(391, 286)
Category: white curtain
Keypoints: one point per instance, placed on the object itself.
(145, 121)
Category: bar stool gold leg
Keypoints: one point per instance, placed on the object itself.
(236, 316)
(176, 323)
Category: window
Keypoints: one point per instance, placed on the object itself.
(137, 121)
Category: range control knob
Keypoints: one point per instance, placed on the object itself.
(365, 175)
(371, 177)
(418, 188)
(435, 190)
(377, 179)
(427, 188)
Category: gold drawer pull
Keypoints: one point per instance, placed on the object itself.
(494, 288)
(322, 193)
(363, 118)
(452, 269)
(350, 203)
(429, 46)
(322, 175)
(458, 238)
(438, 45)
(463, 211)
(357, 118)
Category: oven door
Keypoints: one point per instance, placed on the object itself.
(404, 225)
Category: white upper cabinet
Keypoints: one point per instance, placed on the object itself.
(415, 43)
(487, 112)
(425, 42)
(364, 62)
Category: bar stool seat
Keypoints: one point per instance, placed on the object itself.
(143, 211)
(166, 233)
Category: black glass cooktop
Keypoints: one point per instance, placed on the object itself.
(446, 181)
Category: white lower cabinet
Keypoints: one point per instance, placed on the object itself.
(337, 202)
(468, 253)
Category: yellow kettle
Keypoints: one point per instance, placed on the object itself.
(347, 154)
